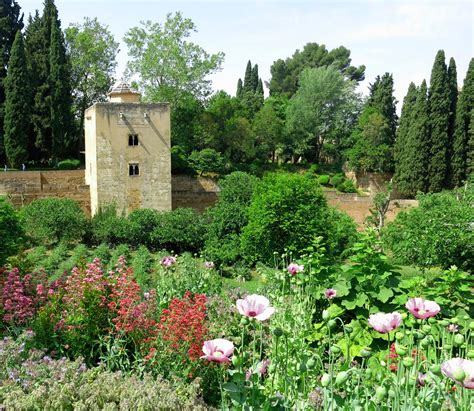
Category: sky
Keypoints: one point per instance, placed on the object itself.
(400, 37)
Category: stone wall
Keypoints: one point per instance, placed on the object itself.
(195, 192)
(22, 187)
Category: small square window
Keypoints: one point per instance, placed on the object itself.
(133, 139)
(133, 170)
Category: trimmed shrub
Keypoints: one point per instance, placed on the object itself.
(68, 164)
(288, 212)
(337, 179)
(228, 217)
(52, 220)
(11, 231)
(348, 187)
(323, 180)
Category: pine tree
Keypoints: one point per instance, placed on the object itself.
(62, 131)
(462, 150)
(10, 22)
(418, 145)
(17, 105)
(239, 89)
(402, 166)
(248, 77)
(453, 98)
(439, 123)
(254, 78)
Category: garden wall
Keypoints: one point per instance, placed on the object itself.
(22, 187)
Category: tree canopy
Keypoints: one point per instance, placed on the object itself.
(166, 63)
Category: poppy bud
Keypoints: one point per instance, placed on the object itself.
(435, 369)
(408, 361)
(380, 393)
(341, 377)
(399, 335)
(459, 374)
(310, 364)
(458, 340)
(470, 354)
(332, 324)
(278, 332)
(366, 352)
(326, 315)
(401, 349)
(335, 349)
(325, 380)
(426, 328)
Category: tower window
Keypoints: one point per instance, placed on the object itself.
(133, 170)
(133, 139)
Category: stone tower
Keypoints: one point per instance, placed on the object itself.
(128, 158)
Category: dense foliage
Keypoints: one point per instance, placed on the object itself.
(52, 220)
(438, 232)
(11, 231)
(288, 212)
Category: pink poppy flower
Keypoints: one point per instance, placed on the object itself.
(420, 380)
(452, 328)
(421, 308)
(461, 371)
(168, 261)
(294, 268)
(330, 293)
(384, 323)
(255, 306)
(218, 350)
(209, 265)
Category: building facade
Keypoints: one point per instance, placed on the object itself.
(128, 152)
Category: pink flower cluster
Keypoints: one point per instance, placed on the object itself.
(18, 307)
(168, 261)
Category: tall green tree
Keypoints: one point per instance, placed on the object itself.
(92, 52)
(313, 112)
(401, 151)
(382, 98)
(17, 105)
(254, 78)
(10, 22)
(418, 157)
(248, 77)
(240, 89)
(462, 150)
(286, 73)
(439, 106)
(63, 133)
(453, 99)
(168, 65)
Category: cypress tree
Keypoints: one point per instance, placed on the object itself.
(10, 22)
(439, 123)
(38, 44)
(462, 150)
(259, 90)
(239, 89)
(254, 78)
(418, 148)
(248, 77)
(453, 98)
(62, 132)
(382, 98)
(402, 166)
(470, 146)
(17, 105)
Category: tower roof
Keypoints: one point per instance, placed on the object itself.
(121, 87)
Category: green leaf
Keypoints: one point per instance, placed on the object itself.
(385, 294)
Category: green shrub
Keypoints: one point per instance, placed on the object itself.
(323, 180)
(313, 169)
(142, 223)
(228, 217)
(180, 230)
(51, 220)
(11, 231)
(206, 161)
(349, 187)
(337, 179)
(439, 232)
(108, 227)
(68, 165)
(287, 212)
